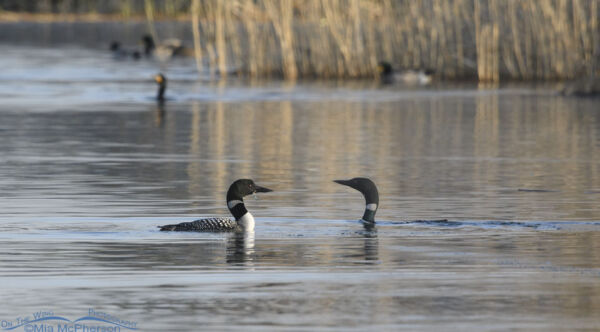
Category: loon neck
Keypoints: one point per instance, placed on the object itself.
(369, 215)
(235, 203)
(237, 208)
(246, 222)
(243, 218)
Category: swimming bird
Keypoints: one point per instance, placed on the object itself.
(149, 45)
(244, 221)
(162, 86)
(171, 47)
(588, 86)
(389, 76)
(369, 191)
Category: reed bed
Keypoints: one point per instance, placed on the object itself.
(488, 40)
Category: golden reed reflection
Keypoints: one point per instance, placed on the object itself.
(216, 147)
(194, 168)
(207, 167)
(480, 148)
(276, 150)
(486, 137)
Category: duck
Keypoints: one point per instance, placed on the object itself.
(243, 220)
(171, 47)
(588, 86)
(161, 80)
(413, 77)
(369, 190)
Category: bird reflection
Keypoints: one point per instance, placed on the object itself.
(159, 113)
(369, 226)
(240, 248)
(371, 244)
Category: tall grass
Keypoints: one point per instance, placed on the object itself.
(485, 39)
(489, 40)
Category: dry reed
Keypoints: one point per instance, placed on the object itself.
(488, 40)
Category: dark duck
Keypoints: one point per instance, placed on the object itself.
(170, 48)
(588, 86)
(409, 77)
(244, 221)
(161, 80)
(369, 191)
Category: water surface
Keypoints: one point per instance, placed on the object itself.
(90, 165)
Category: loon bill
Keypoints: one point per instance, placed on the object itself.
(244, 221)
(369, 191)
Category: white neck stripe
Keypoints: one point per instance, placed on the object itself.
(233, 203)
(372, 207)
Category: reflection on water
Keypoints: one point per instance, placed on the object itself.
(413, 276)
(490, 157)
(83, 185)
(89, 34)
(159, 113)
(240, 248)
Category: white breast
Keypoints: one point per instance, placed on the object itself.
(247, 222)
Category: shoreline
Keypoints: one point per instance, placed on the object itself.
(15, 17)
(263, 53)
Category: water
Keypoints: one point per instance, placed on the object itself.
(91, 165)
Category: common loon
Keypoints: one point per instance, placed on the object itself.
(235, 202)
(389, 76)
(162, 86)
(369, 191)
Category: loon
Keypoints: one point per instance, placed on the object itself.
(389, 76)
(369, 191)
(235, 202)
(162, 86)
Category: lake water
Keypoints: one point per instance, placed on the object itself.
(90, 165)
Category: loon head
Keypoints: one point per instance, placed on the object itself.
(235, 200)
(149, 44)
(244, 187)
(162, 86)
(369, 191)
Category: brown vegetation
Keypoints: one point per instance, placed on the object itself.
(489, 40)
